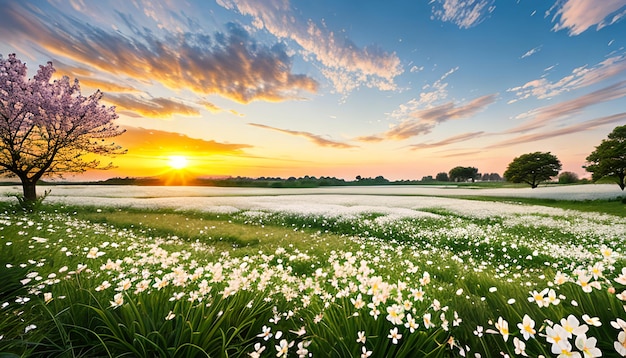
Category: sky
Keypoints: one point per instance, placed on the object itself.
(280, 88)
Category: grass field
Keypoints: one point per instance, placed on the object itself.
(489, 277)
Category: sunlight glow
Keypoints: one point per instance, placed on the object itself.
(177, 161)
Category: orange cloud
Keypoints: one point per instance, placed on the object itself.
(314, 138)
(154, 108)
(232, 64)
(141, 141)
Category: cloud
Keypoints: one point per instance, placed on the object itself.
(544, 115)
(345, 64)
(431, 94)
(159, 107)
(370, 139)
(579, 15)
(451, 140)
(229, 64)
(423, 121)
(580, 127)
(462, 13)
(141, 141)
(316, 139)
(210, 106)
(531, 52)
(580, 77)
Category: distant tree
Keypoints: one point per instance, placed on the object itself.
(458, 174)
(495, 177)
(427, 178)
(532, 168)
(568, 178)
(609, 158)
(442, 177)
(381, 180)
(46, 128)
(485, 177)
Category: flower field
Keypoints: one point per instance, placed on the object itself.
(326, 275)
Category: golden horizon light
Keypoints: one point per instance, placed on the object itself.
(177, 162)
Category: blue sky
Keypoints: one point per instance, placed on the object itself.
(402, 89)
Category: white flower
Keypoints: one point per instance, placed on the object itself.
(283, 348)
(394, 335)
(588, 346)
(593, 321)
(503, 327)
(520, 346)
(365, 353)
(410, 323)
(118, 300)
(361, 337)
(267, 333)
(620, 344)
(621, 279)
(573, 326)
(527, 327)
(258, 349)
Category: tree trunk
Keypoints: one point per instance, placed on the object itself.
(30, 193)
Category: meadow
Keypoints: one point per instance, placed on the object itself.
(378, 272)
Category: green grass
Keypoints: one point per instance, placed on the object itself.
(615, 207)
(189, 284)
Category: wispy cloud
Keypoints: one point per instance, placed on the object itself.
(542, 116)
(577, 16)
(210, 106)
(229, 64)
(141, 141)
(580, 127)
(429, 96)
(451, 140)
(314, 138)
(531, 52)
(162, 108)
(463, 13)
(344, 63)
(580, 77)
(424, 121)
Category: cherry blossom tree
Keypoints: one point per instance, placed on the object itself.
(47, 127)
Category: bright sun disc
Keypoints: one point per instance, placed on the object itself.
(177, 161)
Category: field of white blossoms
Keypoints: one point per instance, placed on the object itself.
(120, 271)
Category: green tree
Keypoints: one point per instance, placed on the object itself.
(458, 174)
(532, 168)
(609, 158)
(568, 178)
(442, 176)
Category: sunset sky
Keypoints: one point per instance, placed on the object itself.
(402, 89)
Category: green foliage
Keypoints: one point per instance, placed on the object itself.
(532, 168)
(609, 158)
(31, 205)
(568, 178)
(463, 174)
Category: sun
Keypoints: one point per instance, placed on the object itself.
(177, 161)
